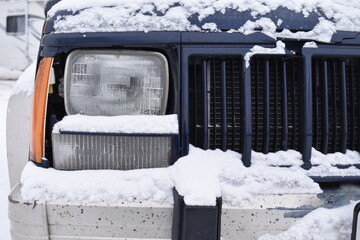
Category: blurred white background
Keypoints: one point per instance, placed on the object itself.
(20, 31)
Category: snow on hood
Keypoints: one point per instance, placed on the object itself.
(171, 15)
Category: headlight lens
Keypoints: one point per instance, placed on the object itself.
(110, 83)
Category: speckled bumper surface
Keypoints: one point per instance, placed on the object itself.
(146, 220)
(85, 220)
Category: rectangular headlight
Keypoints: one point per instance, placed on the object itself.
(110, 83)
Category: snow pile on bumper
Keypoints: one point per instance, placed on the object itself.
(200, 177)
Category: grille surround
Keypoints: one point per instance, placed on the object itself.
(336, 85)
(276, 121)
(221, 101)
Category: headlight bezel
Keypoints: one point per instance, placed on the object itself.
(111, 52)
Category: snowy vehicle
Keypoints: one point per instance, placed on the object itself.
(21, 22)
(190, 120)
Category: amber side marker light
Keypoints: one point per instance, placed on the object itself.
(39, 110)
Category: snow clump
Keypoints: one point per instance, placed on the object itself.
(25, 83)
(279, 49)
(329, 224)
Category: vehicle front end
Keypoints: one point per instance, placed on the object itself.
(123, 105)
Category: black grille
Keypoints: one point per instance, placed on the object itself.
(214, 102)
(336, 104)
(275, 103)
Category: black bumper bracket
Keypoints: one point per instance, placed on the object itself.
(196, 222)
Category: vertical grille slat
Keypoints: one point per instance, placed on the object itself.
(294, 108)
(224, 124)
(351, 87)
(233, 110)
(353, 80)
(325, 110)
(213, 110)
(343, 108)
(255, 107)
(357, 107)
(266, 108)
(284, 107)
(315, 108)
(334, 115)
(257, 99)
(276, 87)
(205, 124)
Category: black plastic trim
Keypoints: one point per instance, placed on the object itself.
(355, 221)
(196, 222)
